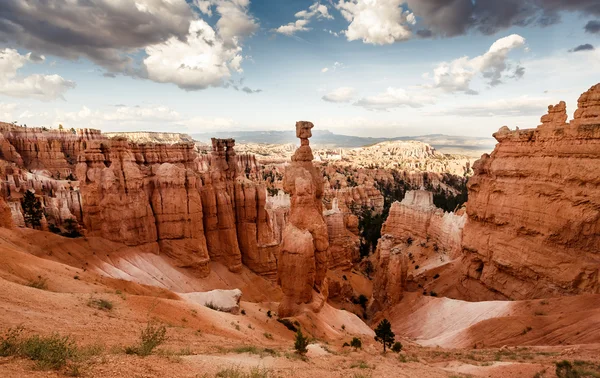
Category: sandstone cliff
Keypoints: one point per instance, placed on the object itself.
(416, 237)
(533, 226)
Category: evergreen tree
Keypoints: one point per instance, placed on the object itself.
(384, 334)
(301, 343)
(32, 210)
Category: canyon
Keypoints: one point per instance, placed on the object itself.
(203, 237)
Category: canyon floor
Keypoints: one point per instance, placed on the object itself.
(441, 337)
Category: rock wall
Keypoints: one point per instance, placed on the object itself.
(343, 243)
(194, 207)
(302, 263)
(533, 226)
(414, 220)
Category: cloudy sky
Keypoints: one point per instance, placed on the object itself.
(358, 67)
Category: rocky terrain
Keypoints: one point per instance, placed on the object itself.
(231, 251)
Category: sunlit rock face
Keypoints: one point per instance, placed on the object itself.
(533, 226)
(302, 263)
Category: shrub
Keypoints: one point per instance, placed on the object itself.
(269, 314)
(267, 335)
(101, 304)
(397, 347)
(236, 372)
(11, 342)
(564, 369)
(288, 324)
(356, 343)
(363, 300)
(409, 240)
(150, 337)
(243, 312)
(436, 276)
(345, 345)
(49, 352)
(384, 334)
(433, 293)
(300, 343)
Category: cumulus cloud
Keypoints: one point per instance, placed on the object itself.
(389, 21)
(41, 87)
(317, 10)
(293, 27)
(584, 47)
(592, 27)
(104, 31)
(342, 94)
(197, 62)
(395, 98)
(456, 17)
(456, 76)
(205, 57)
(377, 22)
(181, 48)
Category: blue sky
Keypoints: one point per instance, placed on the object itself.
(356, 67)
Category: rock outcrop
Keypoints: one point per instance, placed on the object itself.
(413, 223)
(533, 226)
(302, 263)
(343, 243)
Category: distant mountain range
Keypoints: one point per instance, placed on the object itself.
(325, 138)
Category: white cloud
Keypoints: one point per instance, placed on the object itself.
(336, 66)
(234, 23)
(316, 10)
(395, 98)
(293, 27)
(206, 57)
(377, 22)
(342, 94)
(202, 60)
(41, 87)
(456, 76)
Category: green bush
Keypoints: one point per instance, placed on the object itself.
(49, 352)
(356, 343)
(150, 337)
(301, 343)
(397, 347)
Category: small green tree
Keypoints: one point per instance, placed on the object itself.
(397, 347)
(384, 334)
(301, 343)
(32, 210)
(356, 343)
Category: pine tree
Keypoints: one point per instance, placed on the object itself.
(301, 343)
(32, 210)
(384, 334)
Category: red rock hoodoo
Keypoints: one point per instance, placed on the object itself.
(302, 263)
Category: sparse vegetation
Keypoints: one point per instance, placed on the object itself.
(100, 304)
(300, 343)
(288, 324)
(237, 372)
(356, 343)
(267, 335)
(39, 283)
(150, 337)
(577, 369)
(49, 352)
(360, 365)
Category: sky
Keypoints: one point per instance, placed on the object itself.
(356, 67)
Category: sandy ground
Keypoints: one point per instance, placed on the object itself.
(439, 335)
